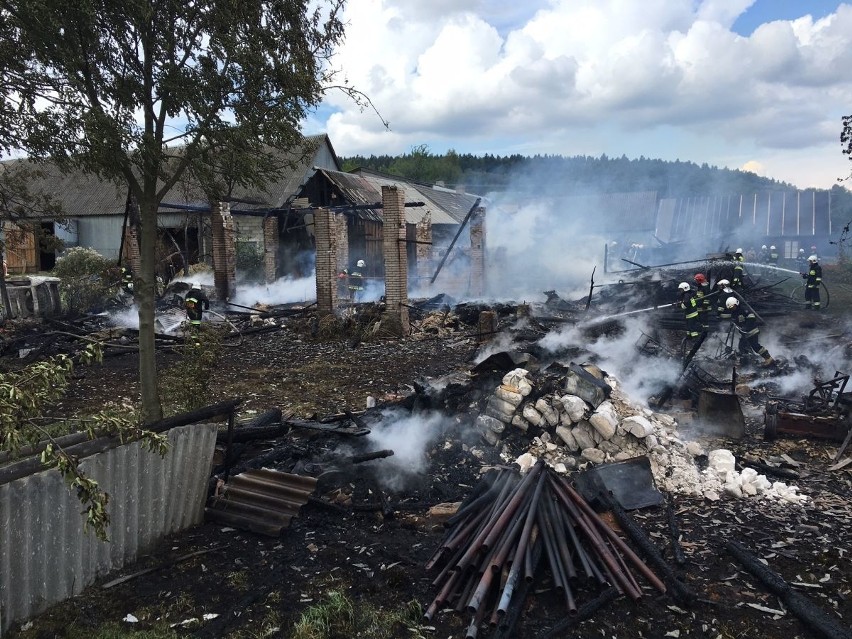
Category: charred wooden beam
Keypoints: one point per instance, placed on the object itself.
(804, 608)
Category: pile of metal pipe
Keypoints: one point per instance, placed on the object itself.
(491, 542)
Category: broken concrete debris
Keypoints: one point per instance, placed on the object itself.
(568, 431)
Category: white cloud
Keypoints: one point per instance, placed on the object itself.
(565, 76)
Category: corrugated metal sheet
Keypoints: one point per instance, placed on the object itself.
(262, 501)
(45, 555)
(773, 214)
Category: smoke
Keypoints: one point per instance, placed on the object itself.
(285, 290)
(640, 376)
(125, 318)
(408, 436)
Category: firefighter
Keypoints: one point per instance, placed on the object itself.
(195, 303)
(813, 283)
(773, 255)
(702, 296)
(802, 260)
(724, 291)
(746, 323)
(739, 270)
(127, 278)
(763, 256)
(356, 281)
(689, 305)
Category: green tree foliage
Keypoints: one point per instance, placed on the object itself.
(113, 87)
(187, 383)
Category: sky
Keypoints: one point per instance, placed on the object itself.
(758, 85)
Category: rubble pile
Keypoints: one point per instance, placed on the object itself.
(590, 421)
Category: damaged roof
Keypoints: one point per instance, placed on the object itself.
(84, 195)
(362, 186)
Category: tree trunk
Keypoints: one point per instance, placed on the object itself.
(4, 293)
(144, 292)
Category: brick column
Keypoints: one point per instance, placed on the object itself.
(424, 267)
(396, 258)
(131, 250)
(270, 248)
(340, 228)
(326, 243)
(477, 252)
(224, 251)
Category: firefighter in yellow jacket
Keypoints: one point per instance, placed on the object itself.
(813, 283)
(689, 306)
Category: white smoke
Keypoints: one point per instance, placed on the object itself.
(284, 290)
(408, 436)
(204, 278)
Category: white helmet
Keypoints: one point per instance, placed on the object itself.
(738, 251)
(763, 247)
(813, 258)
(361, 264)
(732, 302)
(772, 248)
(683, 286)
(802, 251)
(723, 283)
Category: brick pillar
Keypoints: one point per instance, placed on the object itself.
(270, 248)
(341, 230)
(326, 243)
(224, 251)
(131, 250)
(477, 252)
(396, 257)
(423, 233)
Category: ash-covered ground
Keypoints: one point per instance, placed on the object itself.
(368, 533)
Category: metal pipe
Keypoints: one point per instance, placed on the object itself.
(587, 525)
(509, 538)
(518, 560)
(558, 523)
(618, 541)
(453, 243)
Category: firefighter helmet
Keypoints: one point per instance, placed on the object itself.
(813, 258)
(772, 248)
(739, 251)
(683, 286)
(723, 283)
(801, 251)
(361, 264)
(732, 302)
(699, 277)
(763, 248)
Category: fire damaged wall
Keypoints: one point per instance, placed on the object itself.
(326, 236)
(396, 256)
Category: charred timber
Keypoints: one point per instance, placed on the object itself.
(674, 535)
(803, 607)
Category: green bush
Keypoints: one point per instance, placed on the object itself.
(88, 280)
(250, 261)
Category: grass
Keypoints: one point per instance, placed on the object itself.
(337, 616)
(119, 631)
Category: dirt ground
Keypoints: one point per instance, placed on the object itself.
(260, 586)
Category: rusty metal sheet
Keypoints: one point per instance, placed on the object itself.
(262, 501)
(783, 424)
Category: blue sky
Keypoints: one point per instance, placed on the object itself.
(753, 84)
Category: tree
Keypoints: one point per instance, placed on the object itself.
(107, 86)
